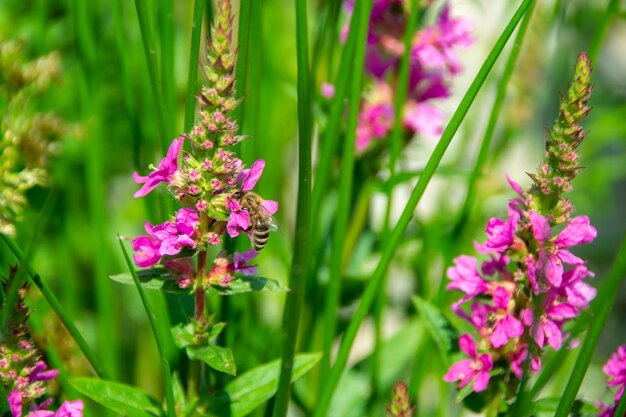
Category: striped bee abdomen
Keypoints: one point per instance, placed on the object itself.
(260, 234)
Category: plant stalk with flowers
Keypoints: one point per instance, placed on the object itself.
(203, 178)
(433, 62)
(25, 375)
(532, 284)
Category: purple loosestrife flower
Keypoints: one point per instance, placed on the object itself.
(476, 368)
(432, 62)
(532, 284)
(615, 369)
(167, 167)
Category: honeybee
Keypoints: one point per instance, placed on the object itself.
(261, 222)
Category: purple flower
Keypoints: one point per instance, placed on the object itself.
(167, 167)
(146, 250)
(518, 359)
(41, 372)
(239, 219)
(375, 121)
(554, 254)
(506, 326)
(423, 118)
(465, 277)
(240, 262)
(15, 403)
(327, 90)
(548, 327)
(615, 368)
(500, 235)
(174, 236)
(575, 291)
(476, 368)
(67, 409)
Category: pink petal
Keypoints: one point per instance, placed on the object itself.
(541, 227)
(554, 270)
(569, 258)
(578, 231)
(70, 409)
(460, 370)
(501, 298)
(515, 186)
(467, 345)
(562, 311)
(270, 206)
(481, 380)
(15, 403)
(253, 176)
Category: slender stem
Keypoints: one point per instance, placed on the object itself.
(300, 260)
(481, 159)
(150, 51)
(166, 31)
(243, 42)
(345, 188)
(58, 309)
(4, 402)
(194, 52)
(595, 46)
(395, 237)
(601, 307)
(158, 336)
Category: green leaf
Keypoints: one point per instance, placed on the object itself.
(159, 278)
(549, 406)
(216, 357)
(247, 284)
(444, 334)
(258, 385)
(120, 398)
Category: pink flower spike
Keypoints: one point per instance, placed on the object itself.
(167, 167)
(541, 227)
(253, 175)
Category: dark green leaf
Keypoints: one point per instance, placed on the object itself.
(120, 398)
(216, 357)
(247, 284)
(444, 334)
(258, 385)
(184, 335)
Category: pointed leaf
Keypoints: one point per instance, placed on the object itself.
(216, 357)
(258, 385)
(247, 284)
(443, 333)
(549, 406)
(123, 399)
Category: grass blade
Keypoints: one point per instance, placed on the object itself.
(166, 26)
(194, 52)
(601, 307)
(483, 152)
(158, 336)
(345, 187)
(595, 46)
(150, 51)
(56, 306)
(243, 45)
(300, 260)
(394, 239)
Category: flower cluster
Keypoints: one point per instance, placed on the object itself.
(400, 404)
(615, 368)
(205, 177)
(23, 373)
(432, 62)
(531, 284)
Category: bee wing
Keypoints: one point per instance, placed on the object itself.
(270, 219)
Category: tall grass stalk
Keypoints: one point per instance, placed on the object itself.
(166, 33)
(595, 45)
(397, 136)
(58, 309)
(483, 152)
(394, 239)
(159, 337)
(150, 51)
(600, 307)
(301, 253)
(345, 187)
(243, 46)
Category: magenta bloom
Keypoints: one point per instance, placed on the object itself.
(423, 118)
(67, 409)
(167, 167)
(41, 372)
(518, 359)
(615, 368)
(15, 403)
(375, 121)
(174, 236)
(554, 254)
(465, 277)
(146, 250)
(240, 262)
(500, 235)
(506, 326)
(239, 219)
(548, 327)
(476, 368)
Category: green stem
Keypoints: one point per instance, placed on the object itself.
(601, 307)
(158, 336)
(192, 75)
(595, 46)
(166, 26)
(395, 237)
(483, 153)
(243, 45)
(345, 189)
(150, 51)
(300, 260)
(56, 306)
